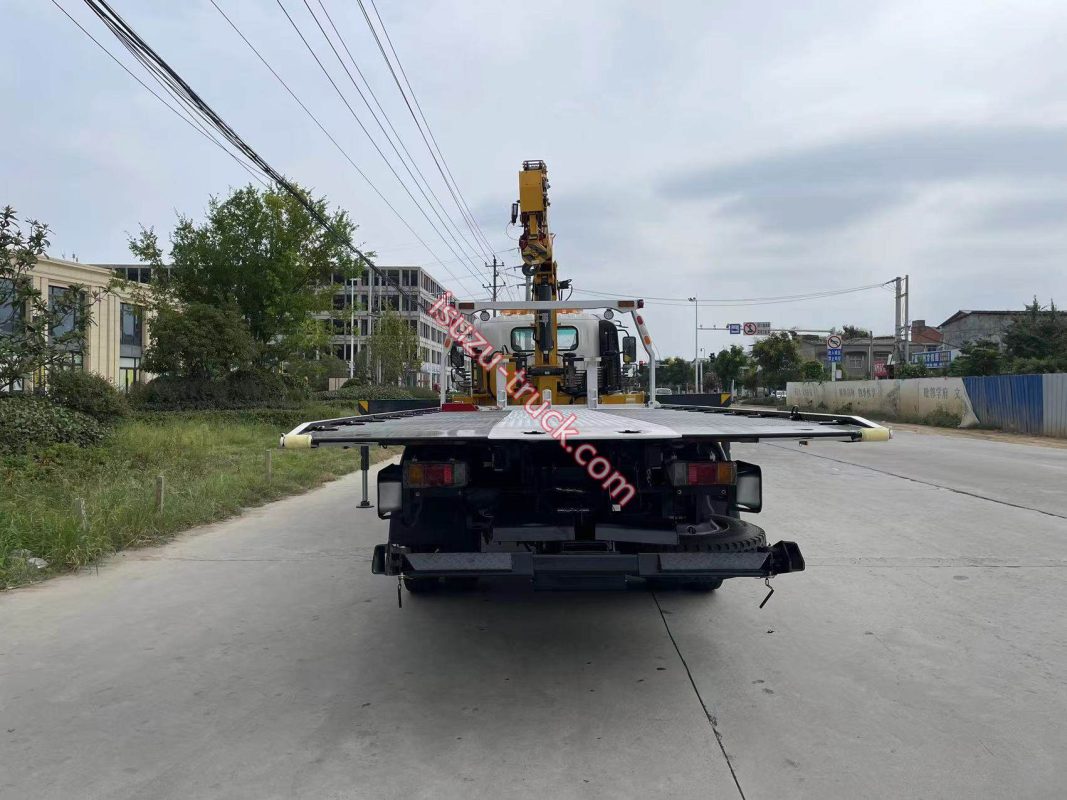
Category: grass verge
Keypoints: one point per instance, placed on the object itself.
(214, 465)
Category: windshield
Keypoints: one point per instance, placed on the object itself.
(522, 339)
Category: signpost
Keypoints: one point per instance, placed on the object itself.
(750, 328)
(735, 327)
(833, 341)
(833, 355)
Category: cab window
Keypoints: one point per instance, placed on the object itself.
(522, 339)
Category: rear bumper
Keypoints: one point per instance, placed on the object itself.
(774, 560)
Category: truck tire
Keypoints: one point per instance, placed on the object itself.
(422, 585)
(734, 536)
(417, 585)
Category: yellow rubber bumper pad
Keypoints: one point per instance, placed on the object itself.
(296, 441)
(878, 434)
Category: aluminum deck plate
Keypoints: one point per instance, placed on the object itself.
(606, 422)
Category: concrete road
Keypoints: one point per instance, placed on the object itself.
(922, 654)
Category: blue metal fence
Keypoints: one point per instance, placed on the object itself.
(1055, 401)
(1010, 402)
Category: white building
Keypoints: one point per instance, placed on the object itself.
(373, 297)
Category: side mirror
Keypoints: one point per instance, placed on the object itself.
(629, 349)
(456, 357)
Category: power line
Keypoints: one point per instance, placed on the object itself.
(337, 145)
(154, 62)
(399, 139)
(442, 164)
(444, 220)
(359, 122)
(188, 120)
(739, 301)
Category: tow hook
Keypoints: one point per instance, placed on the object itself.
(767, 583)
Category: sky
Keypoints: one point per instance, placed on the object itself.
(730, 151)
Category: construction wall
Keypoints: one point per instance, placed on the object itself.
(916, 398)
(1024, 403)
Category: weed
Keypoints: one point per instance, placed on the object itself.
(213, 464)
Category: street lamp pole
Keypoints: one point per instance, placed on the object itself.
(351, 328)
(696, 342)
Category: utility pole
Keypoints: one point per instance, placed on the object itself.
(902, 333)
(907, 322)
(495, 274)
(898, 349)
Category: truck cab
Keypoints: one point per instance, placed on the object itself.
(583, 341)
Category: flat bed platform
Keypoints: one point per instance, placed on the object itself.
(606, 422)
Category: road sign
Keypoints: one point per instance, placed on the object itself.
(750, 329)
(735, 327)
(833, 341)
(763, 329)
(833, 354)
(935, 359)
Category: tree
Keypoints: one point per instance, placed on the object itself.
(37, 333)
(854, 332)
(1037, 333)
(394, 348)
(778, 359)
(729, 364)
(198, 341)
(674, 371)
(813, 371)
(262, 253)
(316, 372)
(982, 357)
(914, 370)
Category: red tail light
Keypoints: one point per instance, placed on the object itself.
(702, 473)
(429, 474)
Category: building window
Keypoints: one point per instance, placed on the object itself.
(129, 372)
(57, 296)
(9, 312)
(132, 325)
(854, 360)
(72, 360)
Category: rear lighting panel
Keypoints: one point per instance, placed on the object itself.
(702, 473)
(435, 474)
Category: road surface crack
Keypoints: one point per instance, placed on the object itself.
(917, 480)
(712, 721)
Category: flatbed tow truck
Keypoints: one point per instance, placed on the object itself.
(545, 467)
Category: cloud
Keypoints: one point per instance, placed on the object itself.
(835, 184)
(1029, 213)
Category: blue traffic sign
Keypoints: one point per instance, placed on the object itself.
(735, 327)
(833, 355)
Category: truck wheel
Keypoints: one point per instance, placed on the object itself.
(734, 536)
(421, 585)
(703, 584)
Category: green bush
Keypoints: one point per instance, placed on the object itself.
(87, 393)
(355, 391)
(240, 389)
(943, 418)
(316, 373)
(29, 422)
